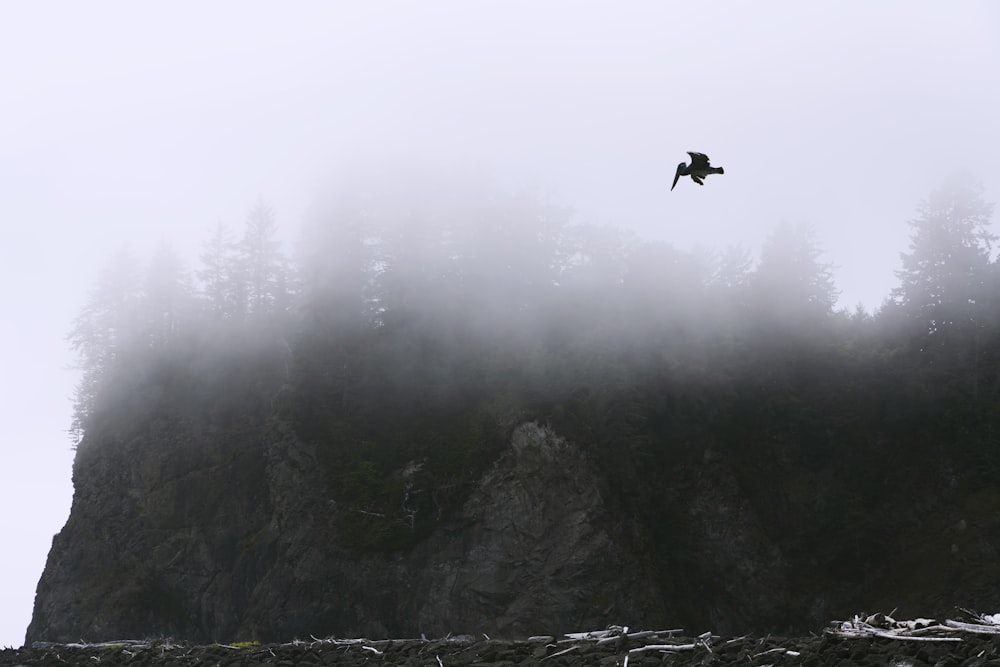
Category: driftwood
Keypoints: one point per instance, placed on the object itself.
(666, 647)
(613, 631)
(617, 639)
(920, 629)
(778, 649)
(562, 652)
(619, 633)
(976, 628)
(644, 634)
(702, 641)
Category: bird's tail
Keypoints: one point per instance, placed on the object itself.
(720, 170)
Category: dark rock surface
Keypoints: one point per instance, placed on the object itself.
(223, 528)
(972, 651)
(234, 539)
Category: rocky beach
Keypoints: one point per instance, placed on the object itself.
(873, 641)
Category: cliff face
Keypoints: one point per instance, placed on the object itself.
(191, 531)
(225, 536)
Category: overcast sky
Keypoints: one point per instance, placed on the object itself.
(125, 122)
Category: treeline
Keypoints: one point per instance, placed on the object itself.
(137, 315)
(419, 321)
(416, 324)
(427, 287)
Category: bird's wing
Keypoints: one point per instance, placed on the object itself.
(698, 159)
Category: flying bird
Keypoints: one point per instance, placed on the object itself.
(697, 170)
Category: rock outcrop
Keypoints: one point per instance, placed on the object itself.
(216, 530)
(216, 536)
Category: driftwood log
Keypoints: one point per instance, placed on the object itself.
(920, 629)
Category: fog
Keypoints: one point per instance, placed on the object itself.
(129, 124)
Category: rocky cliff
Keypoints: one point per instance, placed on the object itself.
(230, 535)
(195, 529)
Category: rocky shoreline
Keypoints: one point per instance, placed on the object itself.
(615, 647)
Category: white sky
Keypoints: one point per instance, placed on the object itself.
(135, 122)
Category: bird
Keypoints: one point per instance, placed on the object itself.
(697, 170)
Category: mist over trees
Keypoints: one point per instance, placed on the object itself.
(419, 320)
(948, 278)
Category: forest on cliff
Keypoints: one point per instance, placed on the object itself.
(415, 325)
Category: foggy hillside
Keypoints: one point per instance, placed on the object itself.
(421, 317)
(418, 289)
(772, 461)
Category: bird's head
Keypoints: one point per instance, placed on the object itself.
(680, 170)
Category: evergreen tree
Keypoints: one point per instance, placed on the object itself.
(218, 263)
(732, 270)
(791, 285)
(946, 273)
(167, 298)
(591, 269)
(508, 264)
(729, 287)
(664, 285)
(336, 265)
(106, 332)
(263, 269)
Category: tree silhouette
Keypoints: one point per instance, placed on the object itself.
(167, 302)
(105, 332)
(218, 262)
(262, 267)
(946, 271)
(792, 286)
(336, 264)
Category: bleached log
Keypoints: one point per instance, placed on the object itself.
(913, 638)
(974, 627)
(614, 632)
(594, 634)
(926, 629)
(860, 630)
(562, 652)
(847, 634)
(631, 635)
(666, 647)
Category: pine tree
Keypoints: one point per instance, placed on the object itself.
(732, 270)
(791, 285)
(167, 298)
(106, 332)
(263, 268)
(946, 273)
(216, 275)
